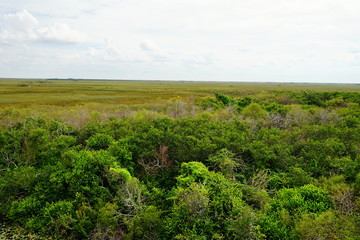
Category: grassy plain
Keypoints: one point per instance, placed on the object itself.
(64, 92)
(77, 101)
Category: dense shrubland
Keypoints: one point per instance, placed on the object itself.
(282, 166)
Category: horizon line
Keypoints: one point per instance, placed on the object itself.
(174, 80)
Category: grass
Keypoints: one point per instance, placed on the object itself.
(68, 92)
(80, 101)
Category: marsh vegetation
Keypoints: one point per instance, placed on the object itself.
(179, 160)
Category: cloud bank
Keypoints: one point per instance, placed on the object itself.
(23, 27)
(300, 40)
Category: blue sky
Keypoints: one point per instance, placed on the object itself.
(230, 40)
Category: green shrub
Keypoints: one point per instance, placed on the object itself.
(99, 141)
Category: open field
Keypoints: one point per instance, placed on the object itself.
(65, 92)
(80, 101)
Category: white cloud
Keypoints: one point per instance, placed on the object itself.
(198, 60)
(154, 52)
(116, 52)
(148, 46)
(24, 27)
(18, 27)
(61, 33)
(21, 21)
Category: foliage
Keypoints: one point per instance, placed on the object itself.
(327, 225)
(208, 205)
(254, 110)
(241, 164)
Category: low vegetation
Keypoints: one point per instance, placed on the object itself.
(161, 161)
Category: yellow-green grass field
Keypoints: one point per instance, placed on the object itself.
(78, 101)
(65, 92)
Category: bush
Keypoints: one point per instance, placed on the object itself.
(99, 141)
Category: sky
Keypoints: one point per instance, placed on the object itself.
(213, 40)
